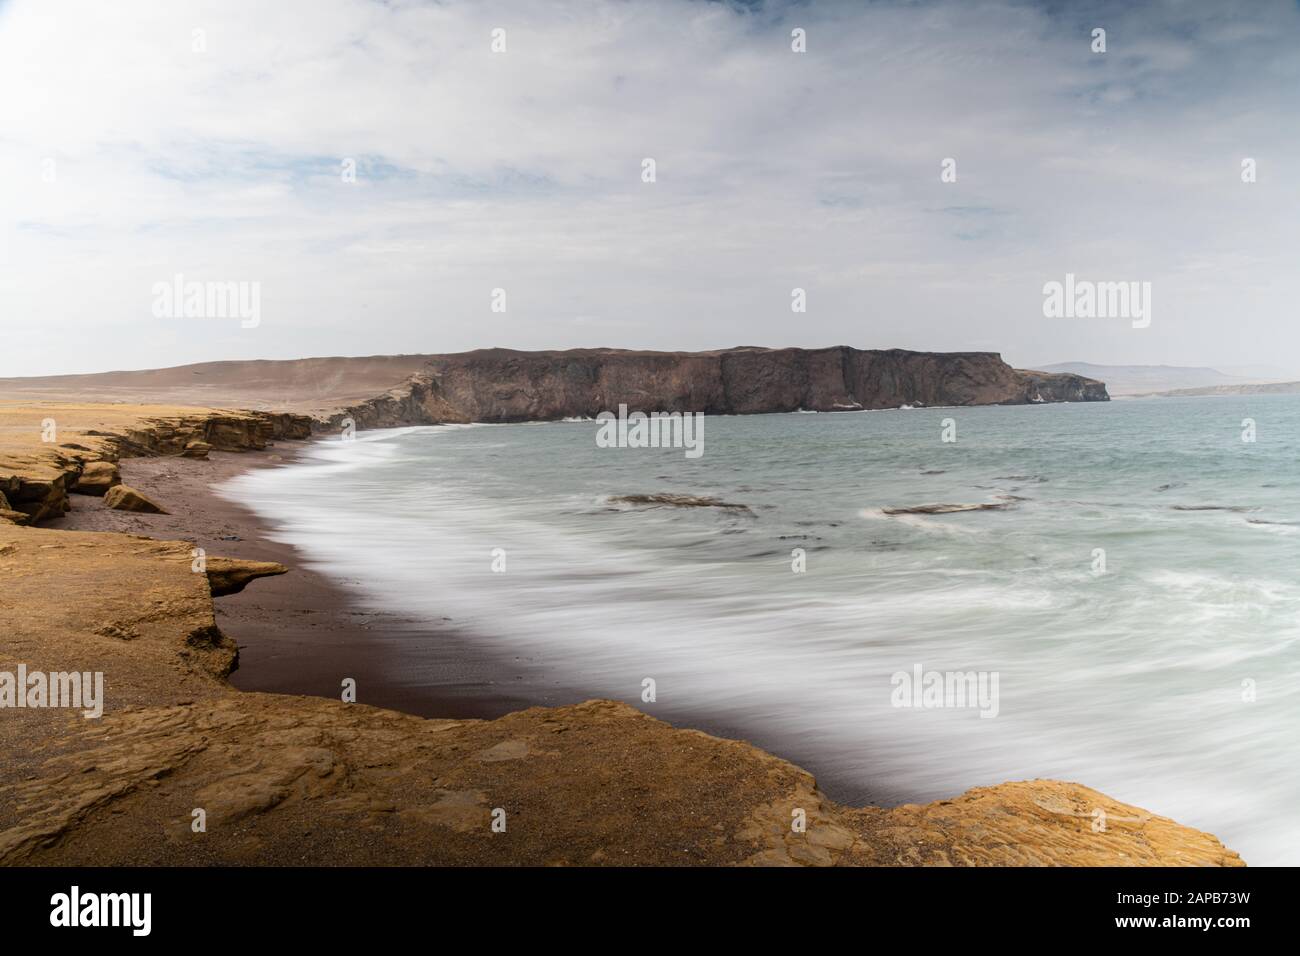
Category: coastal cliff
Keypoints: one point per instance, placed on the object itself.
(504, 385)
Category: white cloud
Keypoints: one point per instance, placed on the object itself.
(522, 170)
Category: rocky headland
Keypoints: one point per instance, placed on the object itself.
(504, 385)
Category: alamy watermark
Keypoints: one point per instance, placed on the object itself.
(75, 908)
(179, 299)
(656, 430)
(37, 689)
(931, 690)
(1085, 299)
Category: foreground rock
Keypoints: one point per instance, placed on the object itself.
(292, 780)
(126, 498)
(303, 781)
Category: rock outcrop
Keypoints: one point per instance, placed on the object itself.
(126, 498)
(97, 477)
(503, 385)
(51, 448)
(231, 575)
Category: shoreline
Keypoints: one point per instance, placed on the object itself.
(288, 779)
(298, 633)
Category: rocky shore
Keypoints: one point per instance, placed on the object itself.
(278, 779)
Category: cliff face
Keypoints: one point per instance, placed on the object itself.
(503, 385)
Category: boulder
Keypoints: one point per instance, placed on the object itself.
(97, 477)
(196, 449)
(230, 575)
(126, 498)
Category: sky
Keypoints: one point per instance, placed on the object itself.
(143, 140)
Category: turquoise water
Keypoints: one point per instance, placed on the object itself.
(1135, 681)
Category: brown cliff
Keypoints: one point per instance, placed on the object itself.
(504, 385)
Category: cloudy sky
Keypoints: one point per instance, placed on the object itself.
(133, 148)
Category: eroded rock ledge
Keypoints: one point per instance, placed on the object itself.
(45, 448)
(294, 780)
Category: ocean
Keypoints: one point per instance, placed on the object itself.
(1125, 616)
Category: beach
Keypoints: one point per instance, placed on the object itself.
(591, 783)
(299, 632)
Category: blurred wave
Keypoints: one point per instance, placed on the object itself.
(1132, 681)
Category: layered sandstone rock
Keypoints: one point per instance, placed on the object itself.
(49, 449)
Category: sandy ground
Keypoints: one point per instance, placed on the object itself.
(315, 386)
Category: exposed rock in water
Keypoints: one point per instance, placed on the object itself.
(679, 501)
(1212, 508)
(126, 498)
(944, 509)
(231, 575)
(97, 478)
(503, 385)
